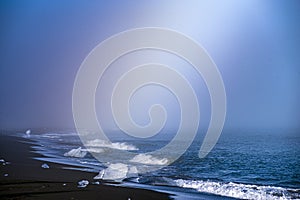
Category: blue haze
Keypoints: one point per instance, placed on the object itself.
(255, 45)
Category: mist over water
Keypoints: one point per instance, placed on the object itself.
(253, 43)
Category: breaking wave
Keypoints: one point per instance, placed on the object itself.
(239, 190)
(149, 160)
(114, 145)
(81, 153)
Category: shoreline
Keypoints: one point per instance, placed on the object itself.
(24, 178)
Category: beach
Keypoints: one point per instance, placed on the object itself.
(53, 164)
(22, 177)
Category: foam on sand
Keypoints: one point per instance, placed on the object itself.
(239, 190)
(77, 153)
(149, 160)
(113, 145)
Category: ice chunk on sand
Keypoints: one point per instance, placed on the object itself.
(45, 166)
(27, 133)
(3, 162)
(132, 172)
(115, 172)
(83, 183)
(77, 153)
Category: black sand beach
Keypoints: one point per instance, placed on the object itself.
(24, 178)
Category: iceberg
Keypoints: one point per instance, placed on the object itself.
(77, 153)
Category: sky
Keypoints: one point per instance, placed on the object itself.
(255, 45)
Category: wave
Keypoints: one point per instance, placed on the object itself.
(239, 190)
(149, 160)
(113, 145)
(50, 136)
(80, 153)
(95, 150)
(90, 163)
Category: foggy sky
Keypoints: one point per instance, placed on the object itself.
(255, 45)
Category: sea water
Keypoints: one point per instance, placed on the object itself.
(244, 165)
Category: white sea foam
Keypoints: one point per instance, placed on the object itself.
(77, 153)
(95, 150)
(90, 163)
(239, 190)
(114, 145)
(149, 160)
(50, 135)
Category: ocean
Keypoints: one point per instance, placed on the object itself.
(242, 165)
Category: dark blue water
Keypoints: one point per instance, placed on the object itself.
(266, 159)
(246, 165)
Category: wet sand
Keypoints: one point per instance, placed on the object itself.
(24, 178)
